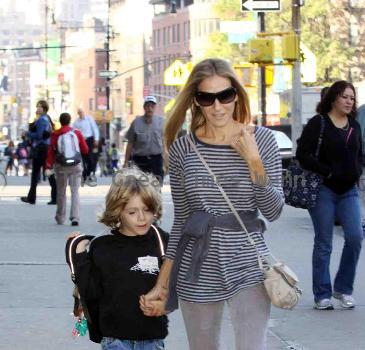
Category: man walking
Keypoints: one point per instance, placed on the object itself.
(64, 154)
(145, 141)
(87, 125)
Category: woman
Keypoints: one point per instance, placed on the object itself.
(10, 152)
(340, 164)
(246, 161)
(39, 134)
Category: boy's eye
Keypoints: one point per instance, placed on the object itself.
(131, 212)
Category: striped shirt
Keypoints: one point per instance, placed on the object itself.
(231, 263)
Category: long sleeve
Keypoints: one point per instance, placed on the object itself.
(307, 145)
(87, 277)
(41, 125)
(51, 151)
(181, 205)
(83, 145)
(270, 198)
(94, 128)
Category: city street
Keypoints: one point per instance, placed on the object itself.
(36, 289)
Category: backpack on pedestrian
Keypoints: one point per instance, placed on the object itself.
(68, 149)
(86, 313)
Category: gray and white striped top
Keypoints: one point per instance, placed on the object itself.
(231, 263)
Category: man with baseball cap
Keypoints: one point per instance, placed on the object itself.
(145, 140)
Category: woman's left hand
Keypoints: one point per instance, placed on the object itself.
(245, 144)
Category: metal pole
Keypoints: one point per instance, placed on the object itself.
(261, 16)
(46, 48)
(296, 108)
(107, 88)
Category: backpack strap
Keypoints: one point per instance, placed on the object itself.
(162, 248)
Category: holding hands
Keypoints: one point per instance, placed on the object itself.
(153, 303)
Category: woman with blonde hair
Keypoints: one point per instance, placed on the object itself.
(209, 260)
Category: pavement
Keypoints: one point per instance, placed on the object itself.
(35, 285)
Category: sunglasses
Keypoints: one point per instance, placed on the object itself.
(206, 99)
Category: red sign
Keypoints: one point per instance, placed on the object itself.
(146, 91)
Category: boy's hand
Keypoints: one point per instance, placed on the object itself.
(156, 308)
(73, 234)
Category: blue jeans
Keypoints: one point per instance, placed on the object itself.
(119, 344)
(345, 207)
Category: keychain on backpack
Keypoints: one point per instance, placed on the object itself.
(80, 327)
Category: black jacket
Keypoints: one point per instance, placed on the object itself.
(340, 155)
(112, 277)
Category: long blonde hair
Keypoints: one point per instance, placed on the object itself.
(185, 99)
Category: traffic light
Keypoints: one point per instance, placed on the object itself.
(261, 50)
(290, 47)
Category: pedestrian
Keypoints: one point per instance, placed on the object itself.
(87, 125)
(10, 153)
(114, 156)
(247, 162)
(65, 158)
(23, 154)
(340, 164)
(145, 140)
(121, 266)
(103, 157)
(39, 134)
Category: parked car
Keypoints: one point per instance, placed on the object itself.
(285, 146)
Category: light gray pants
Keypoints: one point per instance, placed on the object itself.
(250, 314)
(72, 175)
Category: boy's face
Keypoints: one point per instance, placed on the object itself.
(136, 218)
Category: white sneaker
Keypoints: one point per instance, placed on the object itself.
(91, 182)
(323, 304)
(346, 301)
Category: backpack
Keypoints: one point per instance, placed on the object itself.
(91, 309)
(23, 153)
(68, 149)
(115, 155)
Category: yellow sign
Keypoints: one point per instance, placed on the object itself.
(103, 116)
(177, 73)
(169, 105)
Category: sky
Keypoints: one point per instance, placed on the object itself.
(30, 7)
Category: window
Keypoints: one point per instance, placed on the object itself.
(168, 35)
(91, 72)
(91, 104)
(158, 37)
(174, 33)
(164, 37)
(178, 32)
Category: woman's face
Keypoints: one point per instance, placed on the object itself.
(218, 114)
(39, 110)
(344, 102)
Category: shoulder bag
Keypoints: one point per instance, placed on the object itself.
(301, 186)
(280, 282)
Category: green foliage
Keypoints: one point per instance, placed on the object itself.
(333, 55)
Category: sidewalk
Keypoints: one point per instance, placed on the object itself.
(35, 285)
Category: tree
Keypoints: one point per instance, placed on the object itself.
(320, 28)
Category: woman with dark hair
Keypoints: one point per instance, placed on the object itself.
(340, 163)
(39, 133)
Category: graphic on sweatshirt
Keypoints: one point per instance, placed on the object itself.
(148, 264)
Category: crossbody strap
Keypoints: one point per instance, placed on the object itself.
(320, 139)
(233, 209)
(162, 249)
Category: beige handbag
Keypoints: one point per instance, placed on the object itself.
(280, 281)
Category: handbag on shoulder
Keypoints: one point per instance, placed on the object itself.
(280, 282)
(301, 186)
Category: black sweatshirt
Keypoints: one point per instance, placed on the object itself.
(340, 155)
(113, 275)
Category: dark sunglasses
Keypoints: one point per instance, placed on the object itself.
(206, 99)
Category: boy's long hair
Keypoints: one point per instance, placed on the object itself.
(127, 183)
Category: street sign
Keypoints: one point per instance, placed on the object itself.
(107, 73)
(260, 5)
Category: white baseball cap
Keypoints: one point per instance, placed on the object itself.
(150, 99)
